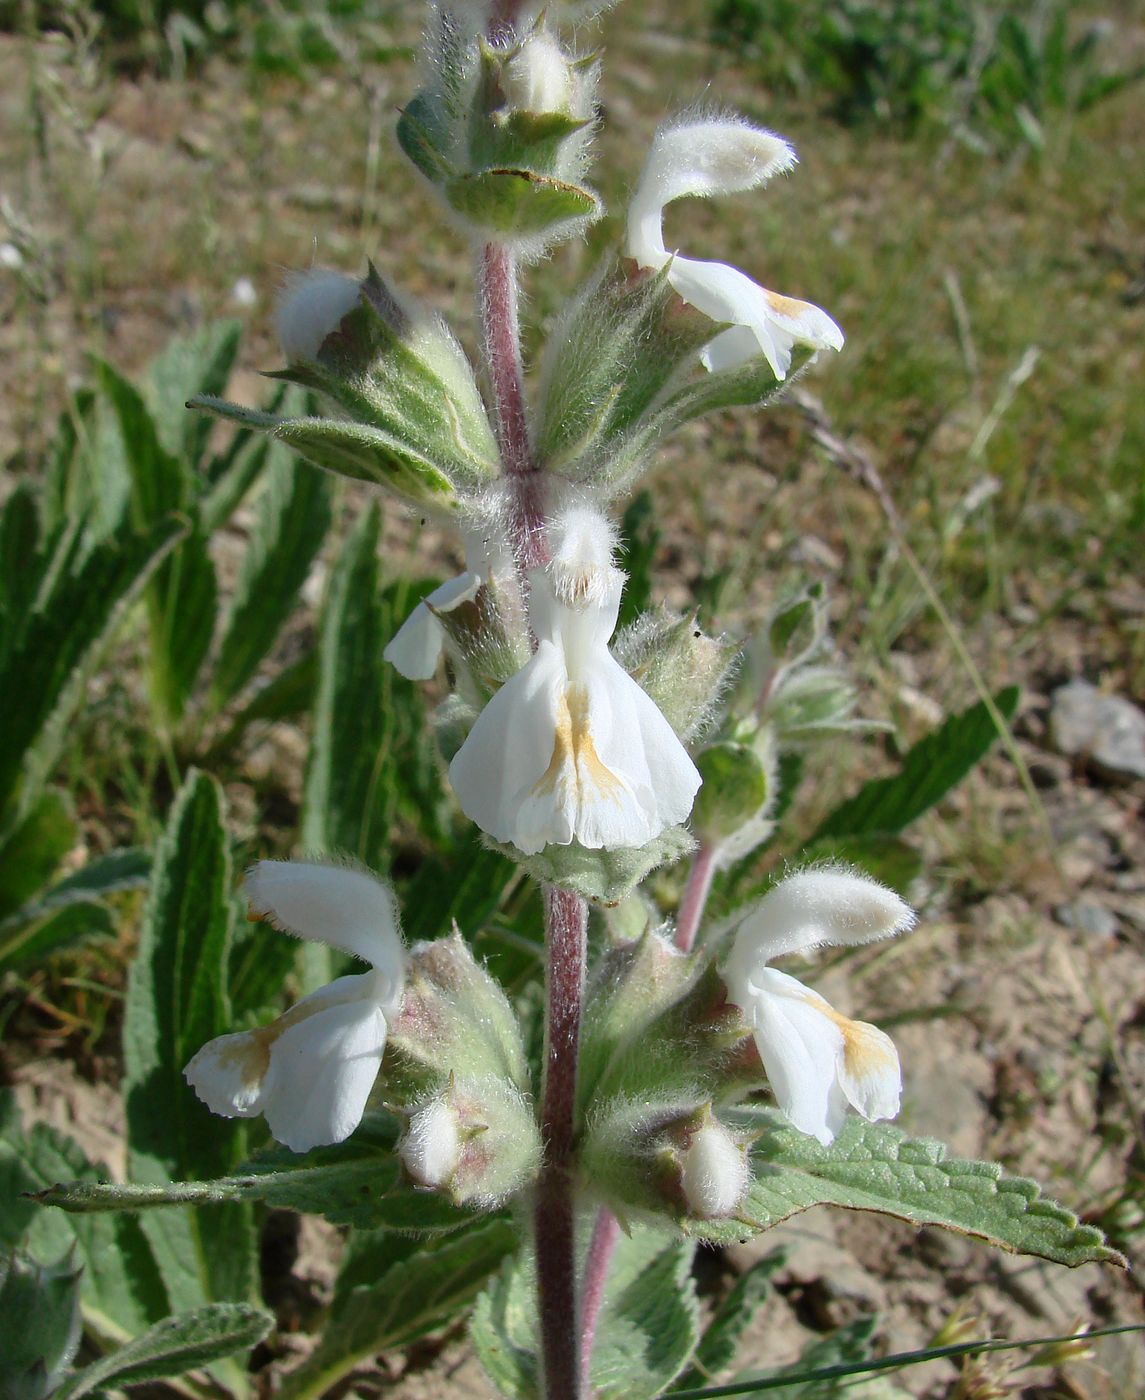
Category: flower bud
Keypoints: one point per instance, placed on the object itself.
(714, 1172)
(538, 77)
(736, 788)
(310, 308)
(477, 1142)
(431, 1147)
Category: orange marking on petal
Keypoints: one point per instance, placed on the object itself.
(574, 753)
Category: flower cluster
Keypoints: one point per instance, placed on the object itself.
(578, 751)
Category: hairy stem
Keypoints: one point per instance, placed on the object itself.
(497, 285)
(566, 925)
(695, 896)
(605, 1235)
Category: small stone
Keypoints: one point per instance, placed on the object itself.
(11, 257)
(1087, 917)
(243, 293)
(1105, 729)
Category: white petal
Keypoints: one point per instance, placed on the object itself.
(322, 1069)
(698, 158)
(228, 1072)
(348, 909)
(630, 739)
(800, 1048)
(732, 348)
(311, 306)
(416, 647)
(507, 753)
(815, 907)
(869, 1072)
(431, 1148)
(715, 1173)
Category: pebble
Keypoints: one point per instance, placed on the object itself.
(1086, 916)
(1105, 729)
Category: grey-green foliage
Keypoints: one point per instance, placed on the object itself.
(356, 1183)
(64, 588)
(176, 1001)
(874, 1166)
(39, 1323)
(121, 1290)
(648, 1328)
(410, 1290)
(717, 1347)
(176, 1345)
(157, 456)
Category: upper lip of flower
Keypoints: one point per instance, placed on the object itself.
(310, 1071)
(720, 156)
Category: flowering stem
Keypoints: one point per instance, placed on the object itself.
(497, 286)
(566, 925)
(605, 1235)
(695, 896)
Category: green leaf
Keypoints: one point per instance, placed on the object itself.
(176, 1002)
(647, 1332)
(364, 453)
(247, 461)
(289, 693)
(640, 536)
(60, 646)
(40, 1326)
(469, 889)
(175, 1345)
(121, 1288)
(929, 770)
(27, 939)
(182, 604)
(418, 1293)
(294, 516)
(21, 562)
(520, 203)
(199, 363)
(717, 1348)
(127, 868)
(32, 851)
(160, 481)
(356, 1182)
(873, 1166)
(847, 1346)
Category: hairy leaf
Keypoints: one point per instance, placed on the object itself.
(175, 1345)
(874, 1166)
(176, 1002)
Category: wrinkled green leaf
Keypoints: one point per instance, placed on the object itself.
(293, 519)
(176, 1002)
(717, 1348)
(175, 1345)
(368, 454)
(121, 1287)
(873, 1166)
(40, 1324)
(182, 605)
(199, 363)
(418, 1293)
(647, 1332)
(929, 770)
(61, 643)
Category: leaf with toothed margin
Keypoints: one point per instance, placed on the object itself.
(874, 1166)
(520, 203)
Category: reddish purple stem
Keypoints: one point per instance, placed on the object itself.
(696, 893)
(605, 1235)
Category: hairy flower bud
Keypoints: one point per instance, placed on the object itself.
(683, 669)
(310, 308)
(714, 1172)
(431, 1147)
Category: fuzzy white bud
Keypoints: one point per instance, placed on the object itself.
(714, 1172)
(312, 305)
(431, 1148)
(538, 77)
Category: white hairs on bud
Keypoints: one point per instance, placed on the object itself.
(310, 306)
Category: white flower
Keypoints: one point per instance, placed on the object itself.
(571, 748)
(817, 1061)
(721, 156)
(416, 647)
(310, 307)
(310, 1072)
(714, 1172)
